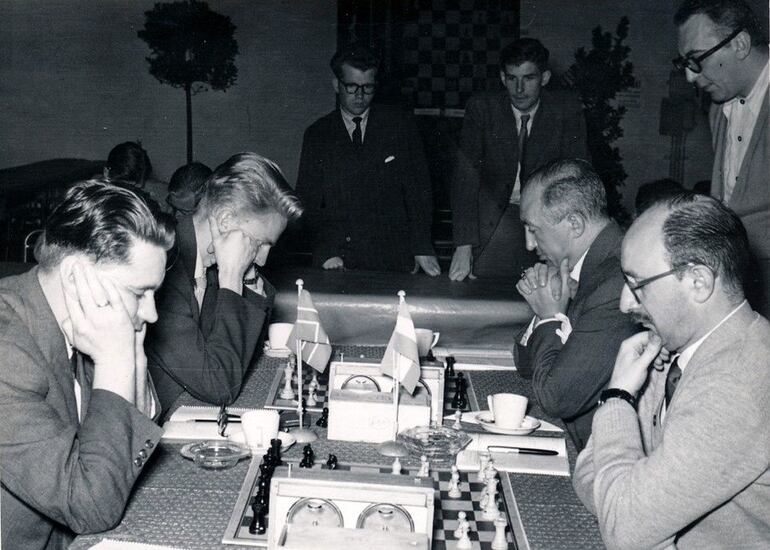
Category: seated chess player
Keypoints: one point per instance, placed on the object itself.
(214, 303)
(679, 454)
(569, 347)
(75, 398)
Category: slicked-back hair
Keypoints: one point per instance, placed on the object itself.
(523, 50)
(570, 186)
(252, 183)
(728, 15)
(701, 230)
(101, 221)
(357, 55)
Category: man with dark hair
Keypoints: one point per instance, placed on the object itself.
(214, 304)
(506, 136)
(569, 347)
(679, 452)
(651, 192)
(75, 398)
(724, 52)
(364, 180)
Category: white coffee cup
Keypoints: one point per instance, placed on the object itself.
(259, 427)
(426, 339)
(278, 335)
(508, 409)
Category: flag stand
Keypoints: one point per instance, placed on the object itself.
(301, 433)
(395, 448)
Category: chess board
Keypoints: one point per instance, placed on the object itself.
(446, 509)
(274, 400)
(450, 388)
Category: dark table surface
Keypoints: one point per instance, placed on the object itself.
(177, 504)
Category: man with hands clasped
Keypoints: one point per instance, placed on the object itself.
(75, 398)
(679, 453)
(569, 347)
(214, 304)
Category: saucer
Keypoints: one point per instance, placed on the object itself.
(528, 425)
(280, 353)
(215, 455)
(287, 440)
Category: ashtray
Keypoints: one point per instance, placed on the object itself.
(439, 444)
(215, 455)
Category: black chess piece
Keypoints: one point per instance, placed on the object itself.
(450, 368)
(462, 391)
(275, 451)
(258, 525)
(307, 457)
(323, 421)
(331, 464)
(430, 357)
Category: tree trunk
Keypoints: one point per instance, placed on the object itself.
(188, 100)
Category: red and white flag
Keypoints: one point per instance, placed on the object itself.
(402, 351)
(316, 349)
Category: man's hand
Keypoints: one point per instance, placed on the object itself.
(545, 289)
(635, 355)
(235, 252)
(462, 263)
(143, 394)
(662, 358)
(334, 263)
(429, 265)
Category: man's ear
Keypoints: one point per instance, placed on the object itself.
(577, 224)
(67, 278)
(741, 44)
(225, 220)
(702, 283)
(502, 77)
(106, 172)
(336, 85)
(546, 77)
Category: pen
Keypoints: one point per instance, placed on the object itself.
(521, 450)
(230, 419)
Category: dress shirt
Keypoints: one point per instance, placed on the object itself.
(516, 193)
(741, 114)
(347, 118)
(200, 279)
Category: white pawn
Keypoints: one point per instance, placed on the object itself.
(462, 523)
(314, 380)
(454, 484)
(500, 542)
(458, 416)
(288, 372)
(424, 467)
(490, 508)
(312, 400)
(464, 541)
(484, 459)
(396, 468)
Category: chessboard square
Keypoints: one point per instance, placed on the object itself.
(424, 30)
(437, 57)
(410, 43)
(439, 71)
(452, 58)
(437, 99)
(452, 84)
(479, 30)
(453, 45)
(466, 44)
(452, 99)
(480, 47)
(453, 30)
(479, 70)
(438, 43)
(424, 98)
(450, 506)
(493, 44)
(452, 15)
(465, 71)
(410, 57)
(424, 56)
(423, 71)
(437, 83)
(438, 29)
(492, 71)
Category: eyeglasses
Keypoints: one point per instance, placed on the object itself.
(694, 63)
(352, 87)
(633, 287)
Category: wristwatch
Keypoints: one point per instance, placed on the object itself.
(618, 394)
(254, 279)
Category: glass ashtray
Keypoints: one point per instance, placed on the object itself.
(439, 444)
(215, 455)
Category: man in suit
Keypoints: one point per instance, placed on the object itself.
(725, 53)
(506, 136)
(75, 399)
(569, 347)
(364, 180)
(685, 462)
(214, 304)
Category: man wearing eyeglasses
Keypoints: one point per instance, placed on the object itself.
(679, 452)
(724, 52)
(364, 180)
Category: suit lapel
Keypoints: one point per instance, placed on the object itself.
(540, 133)
(185, 252)
(606, 244)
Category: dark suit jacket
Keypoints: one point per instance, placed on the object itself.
(485, 168)
(59, 475)
(567, 378)
(205, 351)
(370, 206)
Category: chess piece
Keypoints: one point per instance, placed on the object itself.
(287, 392)
(311, 397)
(484, 459)
(462, 392)
(500, 542)
(464, 541)
(308, 457)
(323, 421)
(491, 511)
(314, 382)
(458, 417)
(462, 523)
(450, 368)
(258, 525)
(454, 483)
(424, 467)
(275, 451)
(331, 464)
(396, 468)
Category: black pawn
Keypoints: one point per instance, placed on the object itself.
(331, 464)
(258, 525)
(450, 368)
(323, 421)
(275, 451)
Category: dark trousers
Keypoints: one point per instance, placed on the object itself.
(505, 254)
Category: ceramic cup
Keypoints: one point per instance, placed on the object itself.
(259, 427)
(278, 335)
(508, 409)
(426, 339)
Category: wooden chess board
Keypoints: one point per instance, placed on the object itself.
(274, 400)
(446, 509)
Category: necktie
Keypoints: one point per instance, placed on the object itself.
(358, 138)
(523, 135)
(200, 289)
(672, 379)
(74, 363)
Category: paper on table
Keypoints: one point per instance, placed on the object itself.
(555, 465)
(109, 544)
(472, 418)
(181, 426)
(470, 359)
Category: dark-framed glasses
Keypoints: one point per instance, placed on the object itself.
(634, 286)
(693, 63)
(352, 87)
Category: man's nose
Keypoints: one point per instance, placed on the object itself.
(628, 301)
(530, 241)
(690, 76)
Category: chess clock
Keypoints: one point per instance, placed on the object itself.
(332, 509)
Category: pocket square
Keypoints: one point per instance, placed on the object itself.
(389, 159)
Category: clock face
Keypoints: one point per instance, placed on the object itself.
(361, 383)
(315, 512)
(385, 517)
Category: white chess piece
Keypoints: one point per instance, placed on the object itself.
(458, 416)
(314, 380)
(461, 523)
(396, 468)
(484, 459)
(464, 541)
(500, 542)
(288, 372)
(424, 467)
(312, 399)
(454, 484)
(491, 511)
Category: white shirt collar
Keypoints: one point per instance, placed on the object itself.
(578, 267)
(200, 271)
(755, 97)
(347, 119)
(690, 350)
(517, 114)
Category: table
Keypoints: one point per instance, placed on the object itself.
(177, 504)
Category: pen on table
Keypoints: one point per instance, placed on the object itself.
(521, 450)
(232, 419)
